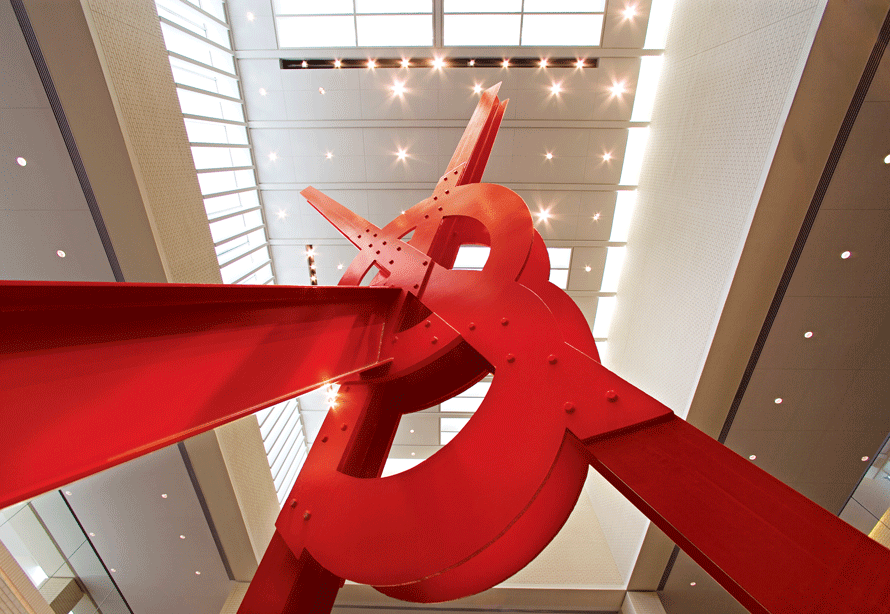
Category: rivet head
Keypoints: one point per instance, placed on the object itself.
(455, 172)
(399, 248)
(392, 261)
(504, 321)
(375, 234)
(435, 198)
(425, 262)
(360, 236)
(569, 407)
(440, 208)
(434, 340)
(611, 396)
(324, 439)
(552, 359)
(293, 503)
(370, 245)
(448, 191)
(427, 323)
(445, 178)
(416, 286)
(307, 515)
(343, 427)
(472, 326)
(384, 242)
(511, 358)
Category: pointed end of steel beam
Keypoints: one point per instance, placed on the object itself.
(478, 138)
(351, 225)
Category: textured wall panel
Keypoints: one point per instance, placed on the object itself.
(17, 594)
(128, 38)
(725, 92)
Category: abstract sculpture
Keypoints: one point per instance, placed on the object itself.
(154, 364)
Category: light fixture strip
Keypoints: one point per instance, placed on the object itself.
(425, 62)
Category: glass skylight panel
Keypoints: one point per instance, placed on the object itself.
(483, 6)
(482, 30)
(560, 257)
(564, 6)
(461, 404)
(231, 226)
(394, 30)
(398, 465)
(559, 278)
(605, 307)
(225, 181)
(624, 206)
(453, 424)
(186, 73)
(194, 47)
(316, 31)
(393, 6)
(200, 131)
(312, 7)
(184, 15)
(194, 103)
(561, 30)
(479, 389)
(214, 7)
(229, 203)
(647, 85)
(237, 247)
(612, 270)
(471, 257)
(221, 157)
(633, 155)
(659, 22)
(261, 277)
(231, 273)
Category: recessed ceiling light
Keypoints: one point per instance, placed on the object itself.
(263, 91)
(60, 253)
(543, 63)
(305, 64)
(864, 458)
(587, 268)
(310, 252)
(556, 88)
(413, 453)
(321, 90)
(607, 156)
(250, 16)
(281, 214)
(340, 267)
(548, 155)
(778, 400)
(21, 161)
(596, 216)
(472, 62)
(438, 63)
(398, 88)
(753, 456)
(273, 156)
(580, 63)
(197, 573)
(406, 62)
(808, 334)
(372, 64)
(401, 154)
(617, 88)
(92, 534)
(329, 155)
(845, 255)
(338, 63)
(543, 214)
(182, 537)
(629, 12)
(506, 63)
(67, 493)
(477, 88)
(887, 159)
(412, 430)
(692, 584)
(164, 496)
(112, 570)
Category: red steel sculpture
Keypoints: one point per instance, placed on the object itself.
(134, 367)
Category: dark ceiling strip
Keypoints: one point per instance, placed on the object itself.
(438, 608)
(187, 461)
(498, 62)
(54, 102)
(840, 142)
(96, 552)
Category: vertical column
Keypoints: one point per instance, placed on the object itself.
(17, 594)
(641, 603)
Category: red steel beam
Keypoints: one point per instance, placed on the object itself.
(129, 368)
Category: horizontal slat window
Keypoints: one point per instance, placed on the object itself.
(194, 47)
(241, 267)
(200, 131)
(226, 181)
(230, 250)
(229, 227)
(194, 20)
(193, 103)
(259, 278)
(186, 73)
(221, 157)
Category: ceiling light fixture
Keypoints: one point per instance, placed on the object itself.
(607, 156)
(752, 457)
(406, 62)
(587, 268)
(329, 155)
(338, 64)
(250, 16)
(398, 88)
(92, 534)
(305, 64)
(477, 88)
(67, 493)
(340, 267)
(164, 496)
(543, 214)
(617, 89)
(778, 401)
(596, 216)
(310, 252)
(887, 159)
(321, 90)
(401, 154)
(692, 584)
(543, 63)
(411, 431)
(21, 161)
(438, 63)
(197, 573)
(864, 459)
(629, 13)
(273, 156)
(845, 255)
(112, 570)
(372, 64)
(548, 155)
(473, 63)
(60, 253)
(182, 537)
(506, 63)
(808, 334)
(579, 63)
(556, 88)
(263, 91)
(281, 214)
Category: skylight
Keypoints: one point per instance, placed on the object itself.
(364, 23)
(467, 402)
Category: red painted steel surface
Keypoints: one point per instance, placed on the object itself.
(94, 374)
(187, 358)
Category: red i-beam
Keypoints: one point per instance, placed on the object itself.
(134, 367)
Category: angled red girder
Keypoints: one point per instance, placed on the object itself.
(155, 364)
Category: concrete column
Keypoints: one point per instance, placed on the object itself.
(641, 603)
